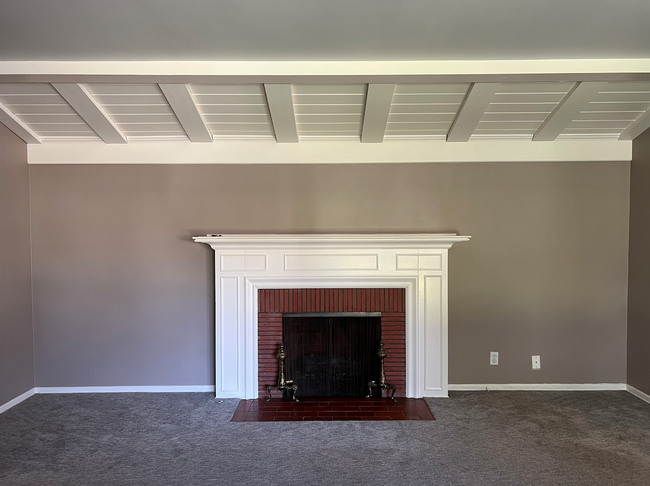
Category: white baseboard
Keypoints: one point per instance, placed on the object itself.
(210, 389)
(17, 400)
(126, 389)
(638, 393)
(540, 387)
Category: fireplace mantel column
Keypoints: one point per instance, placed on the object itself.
(246, 263)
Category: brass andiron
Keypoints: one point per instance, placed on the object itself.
(283, 384)
(382, 376)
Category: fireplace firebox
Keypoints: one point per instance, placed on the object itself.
(332, 355)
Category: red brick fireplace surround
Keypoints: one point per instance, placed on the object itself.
(274, 302)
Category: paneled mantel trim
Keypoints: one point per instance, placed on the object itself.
(331, 152)
(244, 264)
(326, 241)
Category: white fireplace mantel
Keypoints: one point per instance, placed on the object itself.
(246, 263)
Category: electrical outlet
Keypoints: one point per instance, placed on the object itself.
(494, 358)
(536, 363)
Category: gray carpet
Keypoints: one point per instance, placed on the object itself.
(478, 438)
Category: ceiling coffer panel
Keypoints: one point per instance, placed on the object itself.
(233, 111)
(45, 112)
(517, 110)
(610, 112)
(329, 111)
(140, 111)
(424, 111)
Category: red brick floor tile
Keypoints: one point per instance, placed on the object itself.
(375, 408)
(391, 415)
(305, 414)
(333, 414)
(310, 409)
(360, 415)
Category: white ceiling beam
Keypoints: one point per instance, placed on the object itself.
(474, 105)
(270, 152)
(327, 71)
(181, 101)
(283, 117)
(567, 110)
(13, 123)
(93, 114)
(378, 101)
(637, 127)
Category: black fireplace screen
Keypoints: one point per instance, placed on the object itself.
(332, 356)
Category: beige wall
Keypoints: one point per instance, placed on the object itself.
(638, 346)
(16, 331)
(124, 297)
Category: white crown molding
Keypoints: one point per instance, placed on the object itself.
(17, 400)
(638, 393)
(332, 71)
(270, 152)
(538, 387)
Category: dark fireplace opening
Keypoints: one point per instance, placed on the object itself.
(332, 354)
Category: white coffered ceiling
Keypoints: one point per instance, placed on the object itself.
(120, 113)
(123, 72)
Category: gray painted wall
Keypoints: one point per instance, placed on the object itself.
(638, 344)
(124, 297)
(16, 331)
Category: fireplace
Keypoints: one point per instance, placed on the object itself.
(246, 265)
(340, 311)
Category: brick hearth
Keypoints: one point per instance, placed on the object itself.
(326, 409)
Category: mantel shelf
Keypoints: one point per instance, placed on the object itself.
(340, 240)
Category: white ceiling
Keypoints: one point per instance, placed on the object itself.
(368, 71)
(317, 30)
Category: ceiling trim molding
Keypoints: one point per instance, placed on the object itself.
(270, 152)
(282, 72)
(92, 113)
(471, 111)
(13, 123)
(283, 118)
(375, 118)
(181, 102)
(567, 110)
